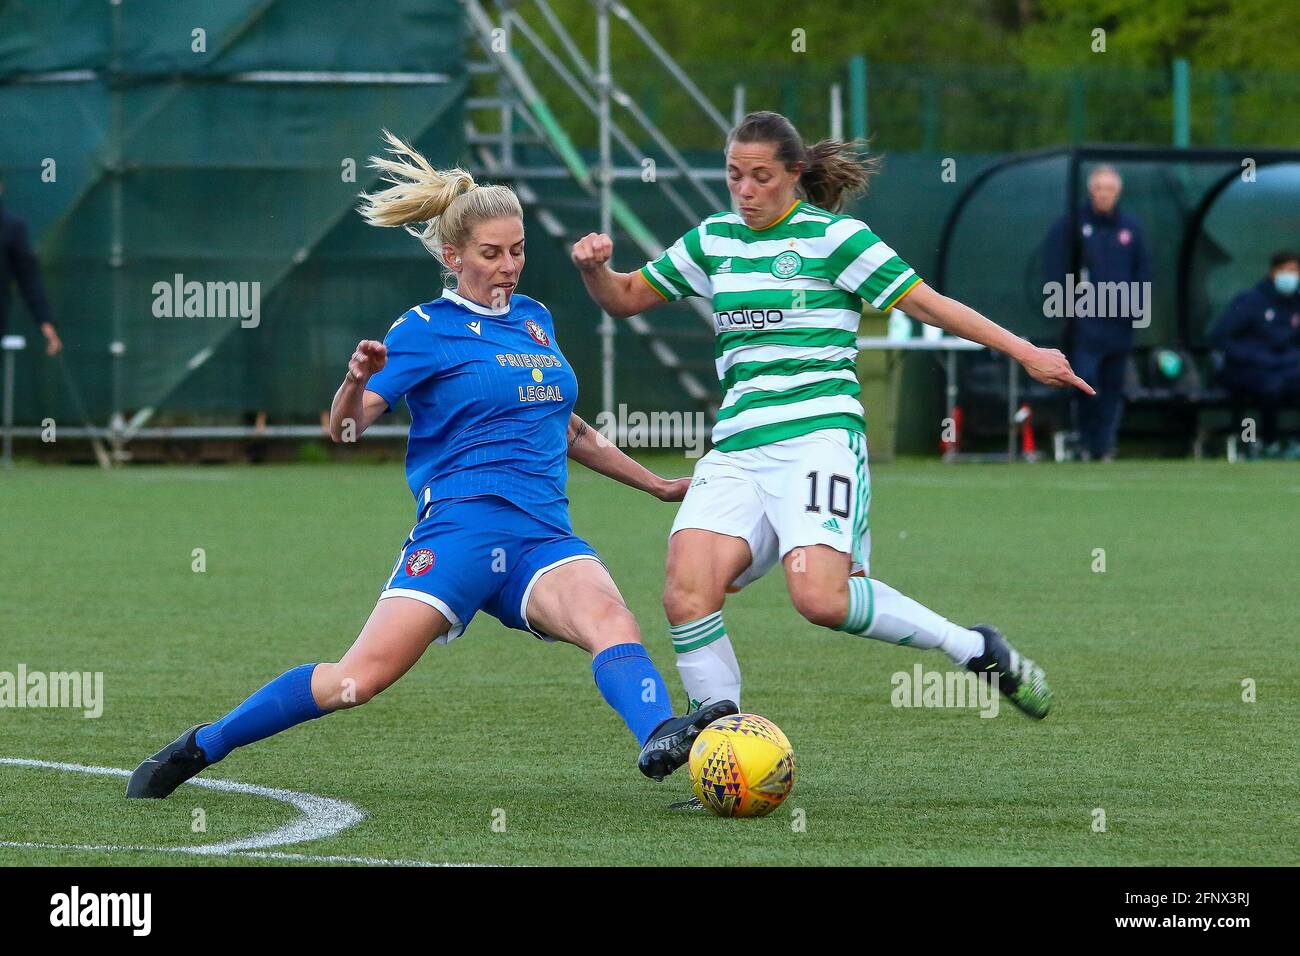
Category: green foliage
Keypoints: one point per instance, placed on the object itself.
(1212, 34)
(971, 76)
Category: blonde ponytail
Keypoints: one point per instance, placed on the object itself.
(446, 205)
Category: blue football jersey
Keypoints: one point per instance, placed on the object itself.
(490, 396)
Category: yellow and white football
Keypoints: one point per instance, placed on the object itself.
(742, 766)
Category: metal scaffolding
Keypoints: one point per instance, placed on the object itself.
(690, 190)
(514, 115)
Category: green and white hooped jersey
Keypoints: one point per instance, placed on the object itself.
(787, 300)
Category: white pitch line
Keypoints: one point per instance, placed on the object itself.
(252, 854)
(322, 817)
(364, 860)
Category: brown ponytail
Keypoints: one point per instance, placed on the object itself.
(834, 171)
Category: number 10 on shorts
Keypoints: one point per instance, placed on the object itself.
(838, 494)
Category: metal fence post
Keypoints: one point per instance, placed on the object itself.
(605, 179)
(1182, 103)
(858, 96)
(10, 344)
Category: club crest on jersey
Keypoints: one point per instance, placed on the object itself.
(787, 265)
(537, 332)
(419, 562)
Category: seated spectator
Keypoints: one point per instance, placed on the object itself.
(1259, 336)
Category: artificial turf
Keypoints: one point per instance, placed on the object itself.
(497, 748)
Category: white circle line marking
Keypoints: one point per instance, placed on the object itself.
(322, 817)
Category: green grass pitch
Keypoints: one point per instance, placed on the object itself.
(1147, 660)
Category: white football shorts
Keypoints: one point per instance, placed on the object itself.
(811, 489)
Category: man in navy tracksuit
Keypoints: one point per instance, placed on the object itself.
(1259, 336)
(1111, 249)
(18, 264)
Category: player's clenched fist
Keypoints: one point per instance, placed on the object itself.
(368, 359)
(592, 251)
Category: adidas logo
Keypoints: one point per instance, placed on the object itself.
(832, 525)
(723, 267)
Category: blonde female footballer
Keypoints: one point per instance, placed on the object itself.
(491, 398)
(787, 479)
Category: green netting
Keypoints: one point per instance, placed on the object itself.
(172, 161)
(176, 162)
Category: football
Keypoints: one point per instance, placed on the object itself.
(742, 766)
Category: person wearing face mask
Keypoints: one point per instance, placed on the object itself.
(1259, 336)
(1112, 248)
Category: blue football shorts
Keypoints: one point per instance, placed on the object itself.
(484, 553)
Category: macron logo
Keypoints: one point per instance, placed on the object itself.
(74, 908)
(473, 327)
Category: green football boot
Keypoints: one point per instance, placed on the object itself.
(1023, 681)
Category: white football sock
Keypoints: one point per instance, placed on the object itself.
(878, 611)
(705, 660)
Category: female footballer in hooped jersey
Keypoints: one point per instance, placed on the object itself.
(491, 399)
(786, 479)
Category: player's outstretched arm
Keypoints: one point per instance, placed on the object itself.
(1048, 366)
(352, 403)
(619, 293)
(588, 447)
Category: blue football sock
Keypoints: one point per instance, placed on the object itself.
(629, 682)
(279, 705)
